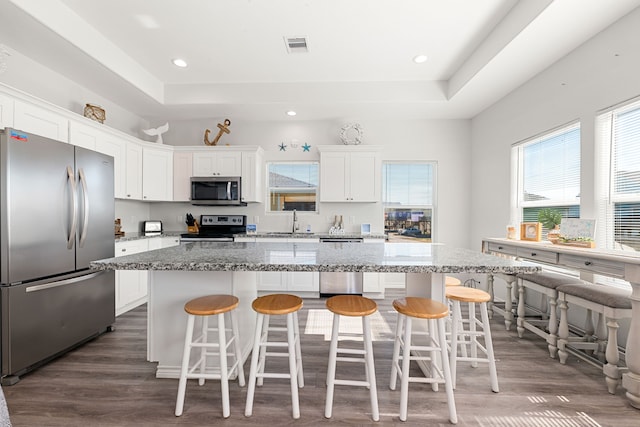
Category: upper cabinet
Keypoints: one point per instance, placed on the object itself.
(157, 173)
(40, 121)
(82, 135)
(133, 171)
(252, 181)
(350, 173)
(6, 111)
(182, 172)
(217, 161)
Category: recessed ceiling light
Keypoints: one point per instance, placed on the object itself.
(291, 113)
(179, 63)
(419, 59)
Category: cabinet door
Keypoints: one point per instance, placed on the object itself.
(167, 242)
(364, 177)
(251, 177)
(271, 281)
(133, 171)
(40, 121)
(303, 281)
(6, 111)
(218, 163)
(82, 135)
(182, 172)
(333, 177)
(116, 148)
(131, 285)
(372, 282)
(157, 174)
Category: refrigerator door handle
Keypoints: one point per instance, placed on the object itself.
(85, 207)
(63, 282)
(74, 217)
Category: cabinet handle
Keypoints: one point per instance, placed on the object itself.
(500, 248)
(533, 254)
(587, 263)
(123, 250)
(128, 195)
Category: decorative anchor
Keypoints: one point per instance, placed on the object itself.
(224, 128)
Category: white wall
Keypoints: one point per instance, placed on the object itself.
(594, 78)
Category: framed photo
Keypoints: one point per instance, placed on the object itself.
(365, 229)
(252, 229)
(531, 231)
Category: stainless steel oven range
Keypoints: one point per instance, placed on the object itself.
(217, 228)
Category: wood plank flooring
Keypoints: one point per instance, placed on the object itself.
(107, 382)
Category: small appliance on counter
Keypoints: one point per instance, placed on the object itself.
(152, 228)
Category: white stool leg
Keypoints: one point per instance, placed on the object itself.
(473, 337)
(203, 350)
(254, 365)
(433, 354)
(182, 383)
(298, 351)
(404, 379)
(293, 370)
(446, 372)
(331, 369)
(370, 367)
(236, 348)
(493, 373)
(264, 337)
(224, 373)
(455, 324)
(396, 351)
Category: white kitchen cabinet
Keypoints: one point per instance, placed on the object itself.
(252, 176)
(349, 174)
(303, 282)
(40, 121)
(131, 285)
(157, 174)
(162, 242)
(6, 111)
(133, 171)
(219, 161)
(272, 281)
(82, 135)
(182, 172)
(115, 147)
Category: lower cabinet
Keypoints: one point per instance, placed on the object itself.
(132, 285)
(294, 282)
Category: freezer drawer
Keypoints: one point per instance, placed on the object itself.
(40, 321)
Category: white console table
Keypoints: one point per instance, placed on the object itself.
(618, 264)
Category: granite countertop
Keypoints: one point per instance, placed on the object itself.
(137, 236)
(271, 234)
(339, 257)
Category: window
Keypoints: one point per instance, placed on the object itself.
(293, 185)
(408, 198)
(549, 174)
(619, 163)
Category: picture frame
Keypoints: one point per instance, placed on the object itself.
(365, 229)
(531, 231)
(252, 229)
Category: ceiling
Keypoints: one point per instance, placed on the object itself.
(358, 65)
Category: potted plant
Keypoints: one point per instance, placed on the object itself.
(550, 219)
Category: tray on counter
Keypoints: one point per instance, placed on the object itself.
(577, 244)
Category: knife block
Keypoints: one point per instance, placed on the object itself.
(193, 228)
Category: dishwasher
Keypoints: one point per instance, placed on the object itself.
(340, 283)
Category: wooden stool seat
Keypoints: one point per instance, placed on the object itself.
(351, 305)
(421, 308)
(277, 304)
(464, 294)
(211, 304)
(452, 281)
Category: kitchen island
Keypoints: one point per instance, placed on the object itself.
(189, 270)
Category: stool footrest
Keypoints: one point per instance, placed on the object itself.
(352, 382)
(351, 359)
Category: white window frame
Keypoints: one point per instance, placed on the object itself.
(268, 192)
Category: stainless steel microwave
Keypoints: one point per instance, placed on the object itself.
(216, 191)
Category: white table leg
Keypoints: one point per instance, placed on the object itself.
(610, 369)
(631, 380)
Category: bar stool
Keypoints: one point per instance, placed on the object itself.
(452, 281)
(274, 305)
(459, 334)
(435, 313)
(354, 306)
(203, 307)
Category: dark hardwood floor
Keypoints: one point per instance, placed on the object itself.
(107, 382)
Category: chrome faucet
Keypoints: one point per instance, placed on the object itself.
(296, 226)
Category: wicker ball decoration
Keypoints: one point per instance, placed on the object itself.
(95, 112)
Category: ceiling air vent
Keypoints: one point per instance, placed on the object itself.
(296, 44)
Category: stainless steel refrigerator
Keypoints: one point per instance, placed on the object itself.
(57, 212)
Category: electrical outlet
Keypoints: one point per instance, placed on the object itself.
(179, 218)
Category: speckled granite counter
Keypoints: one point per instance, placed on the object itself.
(180, 273)
(376, 258)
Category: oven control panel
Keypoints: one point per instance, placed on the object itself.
(223, 220)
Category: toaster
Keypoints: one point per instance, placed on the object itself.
(152, 228)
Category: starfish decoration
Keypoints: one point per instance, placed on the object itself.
(283, 147)
(306, 147)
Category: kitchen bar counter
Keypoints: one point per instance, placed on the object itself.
(180, 273)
